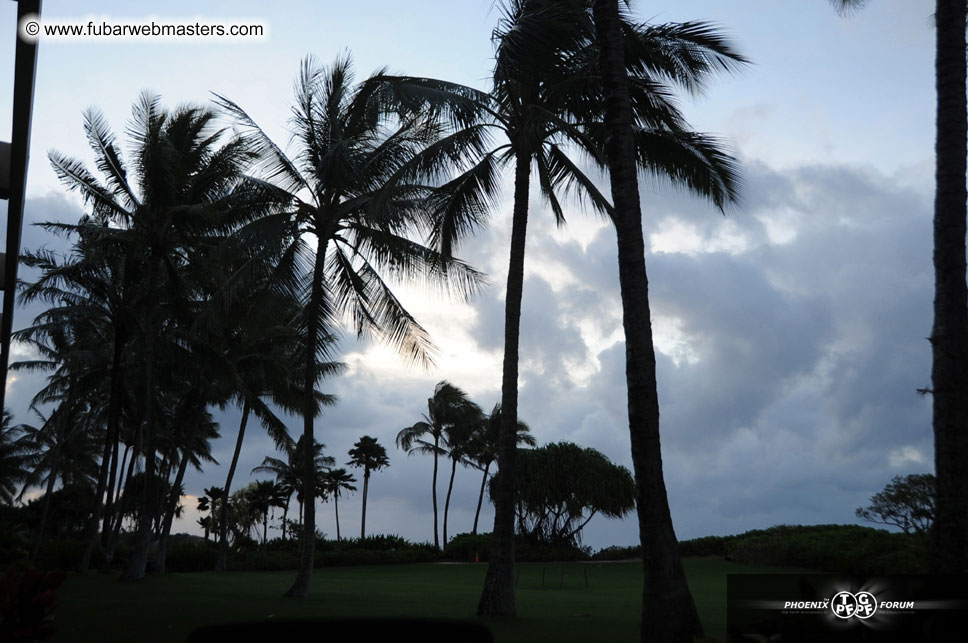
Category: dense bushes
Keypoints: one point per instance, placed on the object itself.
(467, 548)
(846, 549)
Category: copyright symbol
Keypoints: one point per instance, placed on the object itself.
(29, 28)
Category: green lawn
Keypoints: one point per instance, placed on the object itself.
(167, 608)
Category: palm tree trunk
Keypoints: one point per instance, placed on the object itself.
(366, 485)
(336, 503)
(450, 488)
(116, 527)
(51, 479)
(223, 521)
(480, 498)
(497, 599)
(285, 516)
(138, 562)
(433, 491)
(668, 610)
(307, 548)
(265, 528)
(170, 513)
(949, 337)
(114, 491)
(110, 443)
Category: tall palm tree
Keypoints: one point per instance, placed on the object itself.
(949, 334)
(484, 448)
(370, 455)
(546, 97)
(668, 610)
(429, 436)
(335, 481)
(353, 187)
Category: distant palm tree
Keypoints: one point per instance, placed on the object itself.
(484, 446)
(428, 437)
(354, 187)
(262, 495)
(335, 481)
(371, 456)
(207, 503)
(460, 444)
(289, 472)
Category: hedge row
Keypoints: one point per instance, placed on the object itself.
(846, 549)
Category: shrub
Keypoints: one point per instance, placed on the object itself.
(465, 547)
(705, 546)
(618, 553)
(846, 549)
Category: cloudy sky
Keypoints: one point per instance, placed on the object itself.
(790, 333)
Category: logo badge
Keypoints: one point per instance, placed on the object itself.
(860, 605)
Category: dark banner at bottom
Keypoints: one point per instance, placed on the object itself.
(790, 608)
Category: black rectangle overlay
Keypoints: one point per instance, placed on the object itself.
(791, 608)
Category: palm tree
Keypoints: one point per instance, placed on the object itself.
(546, 97)
(178, 200)
(336, 480)
(89, 286)
(289, 472)
(262, 495)
(371, 456)
(354, 186)
(949, 334)
(668, 610)
(460, 443)
(484, 448)
(428, 437)
(208, 502)
(12, 458)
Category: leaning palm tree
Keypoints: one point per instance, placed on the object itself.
(371, 456)
(336, 481)
(356, 191)
(668, 610)
(429, 437)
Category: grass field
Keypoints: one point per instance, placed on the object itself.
(167, 608)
